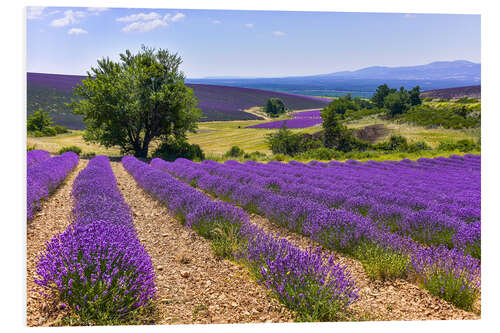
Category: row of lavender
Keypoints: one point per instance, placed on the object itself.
(305, 281)
(301, 120)
(44, 174)
(97, 266)
(450, 274)
(36, 156)
(427, 214)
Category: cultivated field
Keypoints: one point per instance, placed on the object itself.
(232, 243)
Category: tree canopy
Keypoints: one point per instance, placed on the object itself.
(274, 107)
(38, 121)
(140, 98)
(396, 101)
(335, 134)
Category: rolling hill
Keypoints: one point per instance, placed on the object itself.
(52, 91)
(470, 91)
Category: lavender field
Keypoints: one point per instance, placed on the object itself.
(412, 221)
(218, 103)
(302, 119)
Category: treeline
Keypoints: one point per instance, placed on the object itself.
(337, 139)
(406, 106)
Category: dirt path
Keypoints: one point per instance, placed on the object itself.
(389, 300)
(53, 218)
(193, 286)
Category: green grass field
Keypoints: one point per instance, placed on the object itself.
(431, 136)
(216, 138)
(52, 144)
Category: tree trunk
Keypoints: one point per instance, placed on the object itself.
(143, 151)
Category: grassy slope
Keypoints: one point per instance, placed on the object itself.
(432, 136)
(52, 144)
(215, 138)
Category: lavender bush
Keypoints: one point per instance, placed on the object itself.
(97, 266)
(314, 286)
(45, 176)
(384, 254)
(36, 156)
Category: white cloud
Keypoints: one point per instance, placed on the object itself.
(144, 26)
(410, 16)
(177, 17)
(97, 9)
(216, 22)
(279, 33)
(77, 31)
(249, 25)
(146, 22)
(35, 12)
(54, 12)
(139, 17)
(70, 17)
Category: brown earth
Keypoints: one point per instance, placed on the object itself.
(371, 133)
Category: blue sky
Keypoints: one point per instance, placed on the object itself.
(248, 43)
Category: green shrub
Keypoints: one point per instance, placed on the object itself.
(318, 154)
(418, 146)
(448, 116)
(31, 148)
(255, 156)
(278, 157)
(453, 287)
(173, 149)
(235, 151)
(60, 129)
(382, 263)
(49, 131)
(285, 142)
(461, 145)
(395, 143)
(466, 100)
(74, 149)
(38, 121)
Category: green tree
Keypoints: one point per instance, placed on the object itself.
(274, 107)
(380, 94)
(342, 105)
(336, 135)
(285, 142)
(395, 104)
(136, 100)
(38, 121)
(415, 96)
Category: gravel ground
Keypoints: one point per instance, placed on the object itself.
(193, 285)
(53, 218)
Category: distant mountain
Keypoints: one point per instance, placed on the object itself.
(436, 75)
(439, 70)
